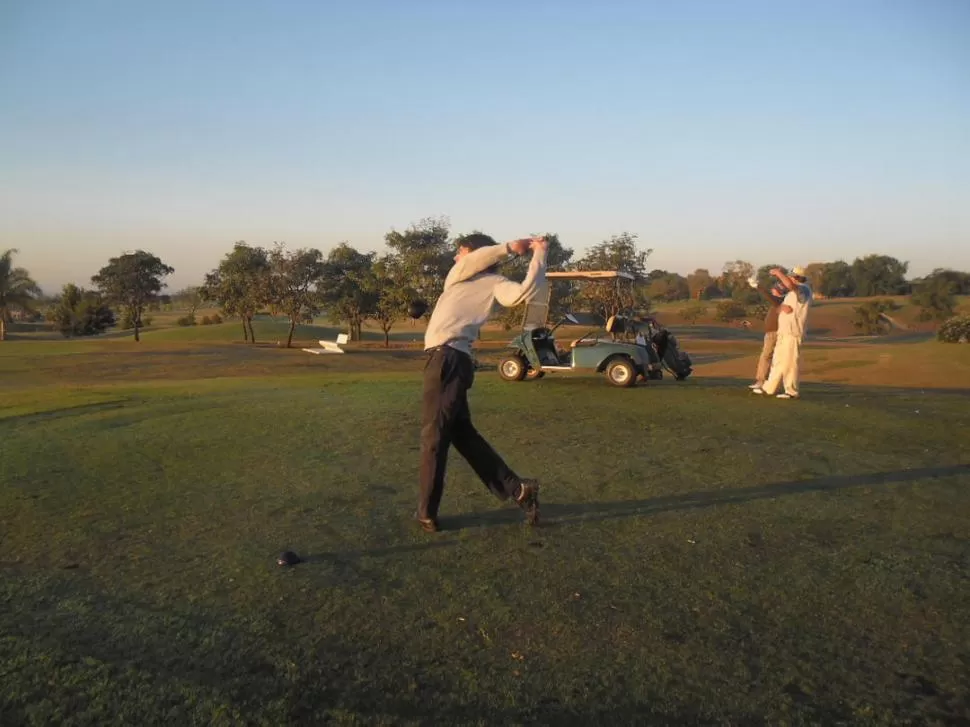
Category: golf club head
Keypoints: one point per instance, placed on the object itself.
(417, 308)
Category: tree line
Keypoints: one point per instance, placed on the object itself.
(351, 286)
(865, 277)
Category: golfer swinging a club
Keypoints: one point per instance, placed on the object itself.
(472, 287)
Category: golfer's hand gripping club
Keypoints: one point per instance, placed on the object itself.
(519, 247)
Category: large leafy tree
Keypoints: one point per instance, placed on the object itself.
(80, 312)
(702, 285)
(815, 274)
(621, 253)
(392, 294)
(424, 255)
(18, 292)
(836, 280)
(240, 285)
(294, 277)
(935, 298)
(668, 287)
(132, 281)
(734, 277)
(879, 275)
(346, 287)
(734, 282)
(959, 281)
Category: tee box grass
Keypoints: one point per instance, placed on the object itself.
(706, 556)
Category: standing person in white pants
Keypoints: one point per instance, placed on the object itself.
(775, 295)
(792, 319)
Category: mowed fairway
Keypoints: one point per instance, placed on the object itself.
(706, 556)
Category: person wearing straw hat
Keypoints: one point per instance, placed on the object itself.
(792, 320)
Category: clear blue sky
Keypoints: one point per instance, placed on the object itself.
(776, 131)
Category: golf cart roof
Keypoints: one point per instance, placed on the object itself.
(592, 275)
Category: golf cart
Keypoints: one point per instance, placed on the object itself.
(534, 352)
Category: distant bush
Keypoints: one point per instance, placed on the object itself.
(188, 320)
(729, 310)
(955, 330)
(147, 321)
(867, 318)
(216, 319)
(206, 321)
(746, 296)
(935, 299)
(884, 305)
(760, 310)
(693, 313)
(78, 312)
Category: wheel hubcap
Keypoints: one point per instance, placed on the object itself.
(510, 368)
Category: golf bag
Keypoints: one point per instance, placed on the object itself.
(672, 358)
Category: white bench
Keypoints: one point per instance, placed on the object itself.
(330, 346)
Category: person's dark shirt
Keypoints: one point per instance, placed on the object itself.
(774, 308)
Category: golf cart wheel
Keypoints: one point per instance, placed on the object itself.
(620, 372)
(512, 368)
(532, 374)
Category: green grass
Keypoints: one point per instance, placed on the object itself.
(706, 556)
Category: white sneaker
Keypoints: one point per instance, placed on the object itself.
(787, 396)
(754, 386)
(757, 390)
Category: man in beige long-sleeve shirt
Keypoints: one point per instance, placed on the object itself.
(471, 289)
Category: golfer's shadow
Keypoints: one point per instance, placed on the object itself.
(554, 514)
(347, 557)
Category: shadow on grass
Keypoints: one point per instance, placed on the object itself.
(554, 513)
(391, 550)
(908, 337)
(818, 389)
(718, 333)
(64, 412)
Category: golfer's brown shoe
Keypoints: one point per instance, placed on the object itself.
(428, 524)
(528, 500)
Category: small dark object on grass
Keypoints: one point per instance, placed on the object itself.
(417, 309)
(288, 557)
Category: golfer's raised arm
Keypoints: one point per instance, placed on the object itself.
(783, 277)
(476, 261)
(510, 294)
(768, 295)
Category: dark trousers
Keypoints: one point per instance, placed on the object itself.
(446, 420)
